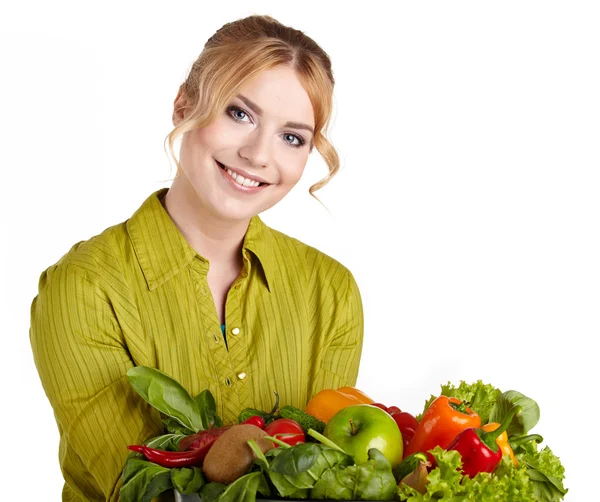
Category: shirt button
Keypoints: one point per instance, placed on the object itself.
(228, 382)
(235, 331)
(203, 290)
(241, 375)
(216, 338)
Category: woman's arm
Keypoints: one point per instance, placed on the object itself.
(340, 359)
(82, 359)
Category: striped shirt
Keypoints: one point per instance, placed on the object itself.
(137, 294)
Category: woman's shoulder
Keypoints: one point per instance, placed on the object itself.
(95, 255)
(300, 254)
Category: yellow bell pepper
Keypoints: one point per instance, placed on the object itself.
(502, 442)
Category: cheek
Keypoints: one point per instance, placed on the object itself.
(293, 170)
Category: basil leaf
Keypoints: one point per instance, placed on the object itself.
(187, 480)
(143, 480)
(208, 409)
(522, 423)
(167, 396)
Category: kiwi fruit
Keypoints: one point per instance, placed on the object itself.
(230, 457)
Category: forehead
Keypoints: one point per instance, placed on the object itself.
(280, 95)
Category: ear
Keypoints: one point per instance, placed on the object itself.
(179, 107)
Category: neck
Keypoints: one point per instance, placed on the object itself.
(219, 241)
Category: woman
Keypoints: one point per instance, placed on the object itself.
(194, 283)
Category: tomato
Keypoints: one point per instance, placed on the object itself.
(287, 430)
(407, 435)
(382, 406)
(255, 420)
(392, 410)
(405, 421)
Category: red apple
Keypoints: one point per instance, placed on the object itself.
(360, 427)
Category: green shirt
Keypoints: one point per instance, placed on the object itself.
(137, 294)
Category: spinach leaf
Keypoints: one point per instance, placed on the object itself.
(372, 480)
(187, 480)
(208, 409)
(174, 427)
(299, 459)
(294, 471)
(143, 480)
(211, 492)
(522, 423)
(167, 396)
(244, 489)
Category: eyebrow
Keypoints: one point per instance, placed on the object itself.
(259, 111)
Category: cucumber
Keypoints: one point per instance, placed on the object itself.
(408, 465)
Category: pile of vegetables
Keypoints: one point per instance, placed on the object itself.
(472, 442)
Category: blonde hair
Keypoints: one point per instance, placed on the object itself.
(239, 51)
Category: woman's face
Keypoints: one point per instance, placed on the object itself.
(258, 138)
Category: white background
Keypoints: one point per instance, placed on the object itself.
(467, 206)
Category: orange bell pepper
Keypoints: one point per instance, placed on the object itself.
(358, 394)
(445, 419)
(502, 442)
(328, 402)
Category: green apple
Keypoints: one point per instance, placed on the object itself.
(358, 428)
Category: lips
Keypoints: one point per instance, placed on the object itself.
(224, 168)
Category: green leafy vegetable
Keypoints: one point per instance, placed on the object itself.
(208, 409)
(174, 427)
(166, 395)
(187, 480)
(522, 423)
(480, 396)
(446, 483)
(545, 470)
(372, 480)
(294, 471)
(244, 489)
(211, 492)
(143, 480)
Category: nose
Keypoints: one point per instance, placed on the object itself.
(256, 149)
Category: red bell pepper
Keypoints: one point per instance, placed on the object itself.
(479, 450)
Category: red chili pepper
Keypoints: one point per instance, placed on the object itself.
(202, 439)
(256, 420)
(170, 458)
(479, 450)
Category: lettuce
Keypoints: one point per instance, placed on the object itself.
(480, 396)
(545, 470)
(446, 483)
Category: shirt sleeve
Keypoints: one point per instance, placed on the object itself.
(82, 360)
(340, 359)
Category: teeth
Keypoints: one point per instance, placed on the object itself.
(240, 180)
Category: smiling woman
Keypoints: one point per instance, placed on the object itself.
(194, 283)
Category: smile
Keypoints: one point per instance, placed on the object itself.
(241, 183)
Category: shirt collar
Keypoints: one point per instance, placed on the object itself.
(162, 251)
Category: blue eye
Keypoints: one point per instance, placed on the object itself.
(234, 109)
